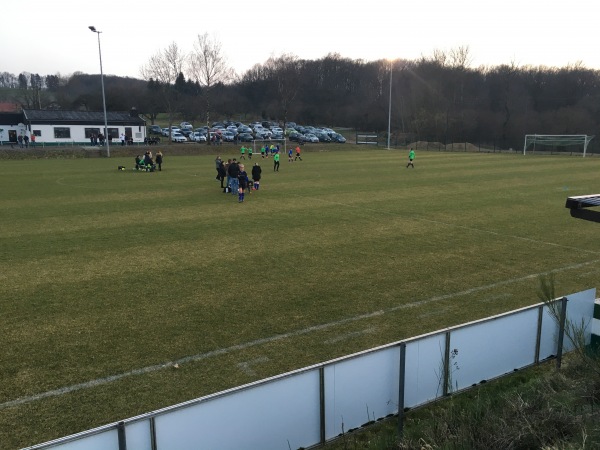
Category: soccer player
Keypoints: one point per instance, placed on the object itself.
(276, 162)
(242, 153)
(290, 155)
(411, 157)
(250, 152)
(243, 183)
(262, 151)
(298, 153)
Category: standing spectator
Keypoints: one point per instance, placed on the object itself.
(32, 140)
(110, 139)
(233, 171)
(218, 163)
(26, 141)
(411, 157)
(256, 171)
(122, 139)
(20, 140)
(221, 172)
(159, 160)
(276, 162)
(101, 139)
(92, 139)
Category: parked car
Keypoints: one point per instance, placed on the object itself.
(245, 137)
(165, 132)
(229, 136)
(197, 136)
(178, 137)
(337, 137)
(154, 129)
(244, 129)
(186, 132)
(323, 137)
(309, 137)
(295, 136)
(186, 126)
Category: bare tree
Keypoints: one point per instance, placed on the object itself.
(208, 66)
(460, 57)
(285, 70)
(163, 69)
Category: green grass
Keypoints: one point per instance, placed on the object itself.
(104, 272)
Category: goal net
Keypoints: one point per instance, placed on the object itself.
(557, 142)
(258, 143)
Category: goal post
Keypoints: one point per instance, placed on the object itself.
(532, 141)
(258, 143)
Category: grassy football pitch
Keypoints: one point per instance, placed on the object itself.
(109, 278)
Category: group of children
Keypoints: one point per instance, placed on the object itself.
(146, 163)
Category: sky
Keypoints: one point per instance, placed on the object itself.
(51, 37)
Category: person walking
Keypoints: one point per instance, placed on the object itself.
(411, 157)
(256, 171)
(276, 162)
(159, 160)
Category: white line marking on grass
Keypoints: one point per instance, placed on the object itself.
(343, 337)
(278, 337)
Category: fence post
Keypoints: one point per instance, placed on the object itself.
(322, 404)
(401, 382)
(561, 331)
(538, 337)
(446, 362)
(122, 437)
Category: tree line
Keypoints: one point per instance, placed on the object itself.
(436, 98)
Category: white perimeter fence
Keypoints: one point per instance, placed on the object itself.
(310, 406)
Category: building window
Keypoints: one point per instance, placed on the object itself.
(62, 133)
(91, 131)
(37, 133)
(113, 133)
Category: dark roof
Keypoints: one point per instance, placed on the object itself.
(50, 116)
(11, 118)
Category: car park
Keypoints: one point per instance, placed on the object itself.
(178, 137)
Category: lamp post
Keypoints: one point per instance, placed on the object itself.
(93, 29)
(390, 108)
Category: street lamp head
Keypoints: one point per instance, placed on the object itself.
(93, 28)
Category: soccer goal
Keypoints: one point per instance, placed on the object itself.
(258, 143)
(563, 141)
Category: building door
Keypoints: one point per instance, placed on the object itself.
(12, 136)
(128, 133)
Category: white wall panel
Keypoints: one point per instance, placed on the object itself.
(361, 389)
(424, 371)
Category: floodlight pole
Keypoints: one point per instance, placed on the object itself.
(390, 108)
(93, 29)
